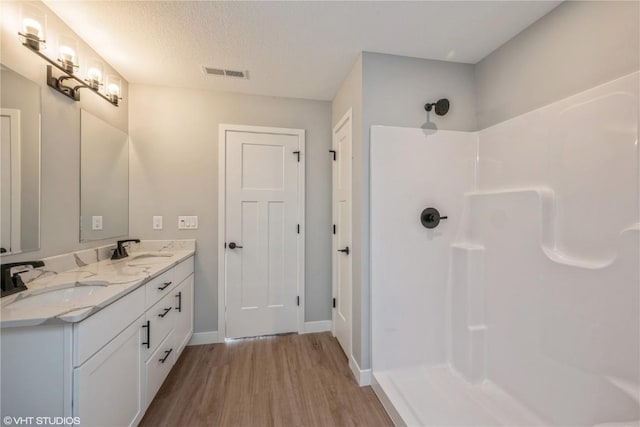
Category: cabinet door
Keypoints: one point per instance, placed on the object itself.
(184, 313)
(108, 386)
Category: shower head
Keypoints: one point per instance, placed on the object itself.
(441, 106)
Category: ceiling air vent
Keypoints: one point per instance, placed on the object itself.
(228, 73)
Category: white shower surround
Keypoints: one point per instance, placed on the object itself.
(523, 307)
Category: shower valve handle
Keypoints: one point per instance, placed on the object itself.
(430, 217)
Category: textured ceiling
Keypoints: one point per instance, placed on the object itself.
(299, 49)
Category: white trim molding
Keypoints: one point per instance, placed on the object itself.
(317, 326)
(199, 338)
(363, 376)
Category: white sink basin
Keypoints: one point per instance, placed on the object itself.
(148, 258)
(59, 296)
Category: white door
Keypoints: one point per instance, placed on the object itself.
(10, 181)
(342, 233)
(262, 235)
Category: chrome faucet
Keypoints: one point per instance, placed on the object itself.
(120, 251)
(12, 283)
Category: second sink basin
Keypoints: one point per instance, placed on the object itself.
(147, 258)
(55, 297)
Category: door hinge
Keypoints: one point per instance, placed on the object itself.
(334, 154)
(298, 154)
(298, 228)
(334, 303)
(298, 300)
(334, 229)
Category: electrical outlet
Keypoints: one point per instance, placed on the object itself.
(157, 223)
(96, 222)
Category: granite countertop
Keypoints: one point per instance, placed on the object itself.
(103, 281)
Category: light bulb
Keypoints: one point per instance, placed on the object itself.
(113, 89)
(67, 58)
(32, 28)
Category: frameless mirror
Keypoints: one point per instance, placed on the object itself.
(104, 179)
(20, 163)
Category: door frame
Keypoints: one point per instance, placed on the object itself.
(16, 179)
(222, 184)
(347, 117)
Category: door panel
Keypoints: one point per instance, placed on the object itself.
(342, 261)
(262, 202)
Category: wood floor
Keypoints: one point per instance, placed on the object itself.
(288, 380)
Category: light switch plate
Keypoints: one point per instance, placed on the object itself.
(157, 222)
(96, 222)
(187, 222)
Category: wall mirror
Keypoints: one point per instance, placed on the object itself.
(20, 163)
(104, 179)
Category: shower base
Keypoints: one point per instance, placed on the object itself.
(438, 396)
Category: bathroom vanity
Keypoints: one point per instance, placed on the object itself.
(97, 341)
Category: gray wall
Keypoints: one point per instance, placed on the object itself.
(60, 143)
(578, 45)
(174, 171)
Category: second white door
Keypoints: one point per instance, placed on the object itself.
(342, 248)
(262, 231)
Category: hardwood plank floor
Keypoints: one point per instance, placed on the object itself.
(286, 380)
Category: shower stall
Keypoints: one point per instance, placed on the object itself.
(522, 306)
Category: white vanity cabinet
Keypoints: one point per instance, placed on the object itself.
(107, 368)
(127, 373)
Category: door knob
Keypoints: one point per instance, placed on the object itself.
(233, 245)
(345, 250)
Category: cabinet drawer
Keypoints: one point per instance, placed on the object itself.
(159, 286)
(157, 368)
(93, 333)
(160, 319)
(184, 270)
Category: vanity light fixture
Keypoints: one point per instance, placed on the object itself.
(34, 23)
(61, 73)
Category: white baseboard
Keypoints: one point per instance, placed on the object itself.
(363, 376)
(199, 338)
(318, 326)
